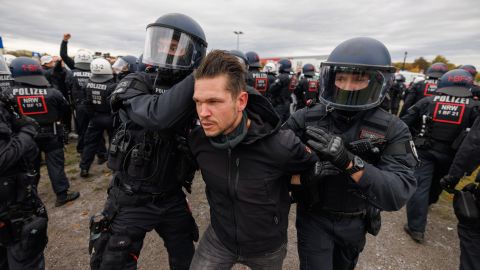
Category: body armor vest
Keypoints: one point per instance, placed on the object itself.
(258, 80)
(6, 81)
(80, 80)
(97, 95)
(339, 193)
(38, 103)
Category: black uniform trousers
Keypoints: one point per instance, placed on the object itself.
(52, 146)
(84, 115)
(469, 246)
(9, 259)
(327, 242)
(94, 141)
(169, 217)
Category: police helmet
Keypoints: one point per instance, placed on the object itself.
(125, 64)
(470, 68)
(4, 69)
(27, 70)
(101, 70)
(308, 70)
(456, 82)
(270, 68)
(399, 77)
(174, 41)
(284, 65)
(242, 58)
(436, 70)
(82, 59)
(253, 59)
(9, 58)
(356, 75)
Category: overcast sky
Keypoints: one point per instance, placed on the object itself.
(271, 27)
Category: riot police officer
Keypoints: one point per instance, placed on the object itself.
(147, 153)
(125, 65)
(465, 162)
(256, 78)
(46, 105)
(281, 90)
(438, 124)
(101, 84)
(475, 87)
(77, 82)
(396, 93)
(23, 219)
(6, 80)
(366, 152)
(423, 88)
(306, 91)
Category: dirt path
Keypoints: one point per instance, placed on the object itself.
(391, 249)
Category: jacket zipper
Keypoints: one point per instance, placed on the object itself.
(231, 192)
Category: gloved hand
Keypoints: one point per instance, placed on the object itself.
(329, 147)
(27, 125)
(126, 89)
(449, 182)
(320, 170)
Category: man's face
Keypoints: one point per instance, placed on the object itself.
(219, 112)
(170, 47)
(351, 81)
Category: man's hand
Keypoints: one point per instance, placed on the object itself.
(329, 147)
(449, 182)
(66, 36)
(27, 125)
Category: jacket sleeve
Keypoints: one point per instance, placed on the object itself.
(391, 182)
(297, 156)
(410, 97)
(64, 55)
(13, 146)
(415, 112)
(163, 111)
(467, 158)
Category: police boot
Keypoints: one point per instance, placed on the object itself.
(84, 173)
(416, 236)
(65, 197)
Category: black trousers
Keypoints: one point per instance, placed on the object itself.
(326, 243)
(469, 236)
(84, 115)
(94, 141)
(170, 218)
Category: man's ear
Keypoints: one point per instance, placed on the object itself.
(242, 100)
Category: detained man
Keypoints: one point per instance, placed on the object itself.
(247, 162)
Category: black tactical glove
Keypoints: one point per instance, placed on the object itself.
(126, 89)
(27, 125)
(320, 170)
(329, 147)
(449, 182)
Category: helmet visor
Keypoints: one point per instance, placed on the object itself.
(353, 88)
(120, 66)
(168, 48)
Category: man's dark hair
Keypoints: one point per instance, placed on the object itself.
(218, 63)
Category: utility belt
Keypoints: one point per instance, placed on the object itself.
(50, 130)
(130, 195)
(371, 216)
(14, 221)
(429, 143)
(466, 204)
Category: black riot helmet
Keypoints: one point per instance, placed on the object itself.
(242, 58)
(284, 66)
(436, 70)
(456, 82)
(125, 64)
(253, 59)
(308, 70)
(356, 75)
(399, 78)
(27, 70)
(470, 68)
(175, 42)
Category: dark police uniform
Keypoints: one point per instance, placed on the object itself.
(77, 81)
(6, 82)
(46, 105)
(306, 92)
(438, 123)
(258, 80)
(146, 190)
(396, 93)
(280, 94)
(102, 120)
(336, 224)
(23, 219)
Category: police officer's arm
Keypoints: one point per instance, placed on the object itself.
(414, 114)
(467, 158)
(410, 97)
(13, 146)
(391, 182)
(276, 87)
(64, 54)
(163, 111)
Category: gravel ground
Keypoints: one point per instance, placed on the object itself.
(391, 249)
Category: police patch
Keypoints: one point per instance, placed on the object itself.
(369, 134)
(450, 113)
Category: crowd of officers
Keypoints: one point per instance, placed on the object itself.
(332, 142)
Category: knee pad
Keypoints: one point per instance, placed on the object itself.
(117, 252)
